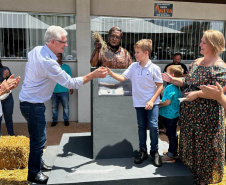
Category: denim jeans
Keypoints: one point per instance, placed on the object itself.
(64, 99)
(171, 132)
(7, 110)
(34, 113)
(148, 119)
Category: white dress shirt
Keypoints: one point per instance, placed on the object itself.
(42, 72)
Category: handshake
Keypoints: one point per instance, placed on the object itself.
(101, 72)
(9, 84)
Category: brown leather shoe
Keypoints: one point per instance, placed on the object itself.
(167, 159)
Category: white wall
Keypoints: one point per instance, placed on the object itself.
(125, 8)
(47, 6)
(145, 8)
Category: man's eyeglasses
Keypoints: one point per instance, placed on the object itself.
(63, 42)
(115, 37)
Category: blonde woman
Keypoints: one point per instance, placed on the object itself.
(201, 146)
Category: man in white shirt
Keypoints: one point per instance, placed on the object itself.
(42, 72)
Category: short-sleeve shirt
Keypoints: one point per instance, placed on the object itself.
(143, 82)
(59, 88)
(171, 93)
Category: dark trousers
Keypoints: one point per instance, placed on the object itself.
(148, 119)
(34, 113)
(171, 132)
(7, 110)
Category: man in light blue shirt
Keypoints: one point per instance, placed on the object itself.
(61, 94)
(42, 72)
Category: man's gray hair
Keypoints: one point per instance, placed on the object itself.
(54, 32)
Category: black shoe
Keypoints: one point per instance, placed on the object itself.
(156, 157)
(66, 123)
(142, 155)
(45, 167)
(39, 178)
(53, 124)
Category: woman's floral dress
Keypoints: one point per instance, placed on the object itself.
(202, 129)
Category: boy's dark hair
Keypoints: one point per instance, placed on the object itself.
(175, 54)
(115, 28)
(177, 70)
(144, 45)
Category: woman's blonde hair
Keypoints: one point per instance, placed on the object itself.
(144, 45)
(216, 40)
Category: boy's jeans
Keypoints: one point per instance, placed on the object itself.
(64, 98)
(171, 132)
(148, 119)
(34, 113)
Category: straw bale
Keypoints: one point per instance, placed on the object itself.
(14, 151)
(13, 177)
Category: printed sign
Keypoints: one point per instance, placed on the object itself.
(163, 10)
(110, 86)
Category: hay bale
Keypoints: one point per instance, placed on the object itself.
(13, 177)
(14, 152)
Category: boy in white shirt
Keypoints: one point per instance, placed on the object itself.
(147, 84)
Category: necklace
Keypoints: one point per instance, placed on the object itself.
(209, 62)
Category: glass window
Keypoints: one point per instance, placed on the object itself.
(21, 32)
(168, 35)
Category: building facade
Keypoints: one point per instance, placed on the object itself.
(178, 29)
